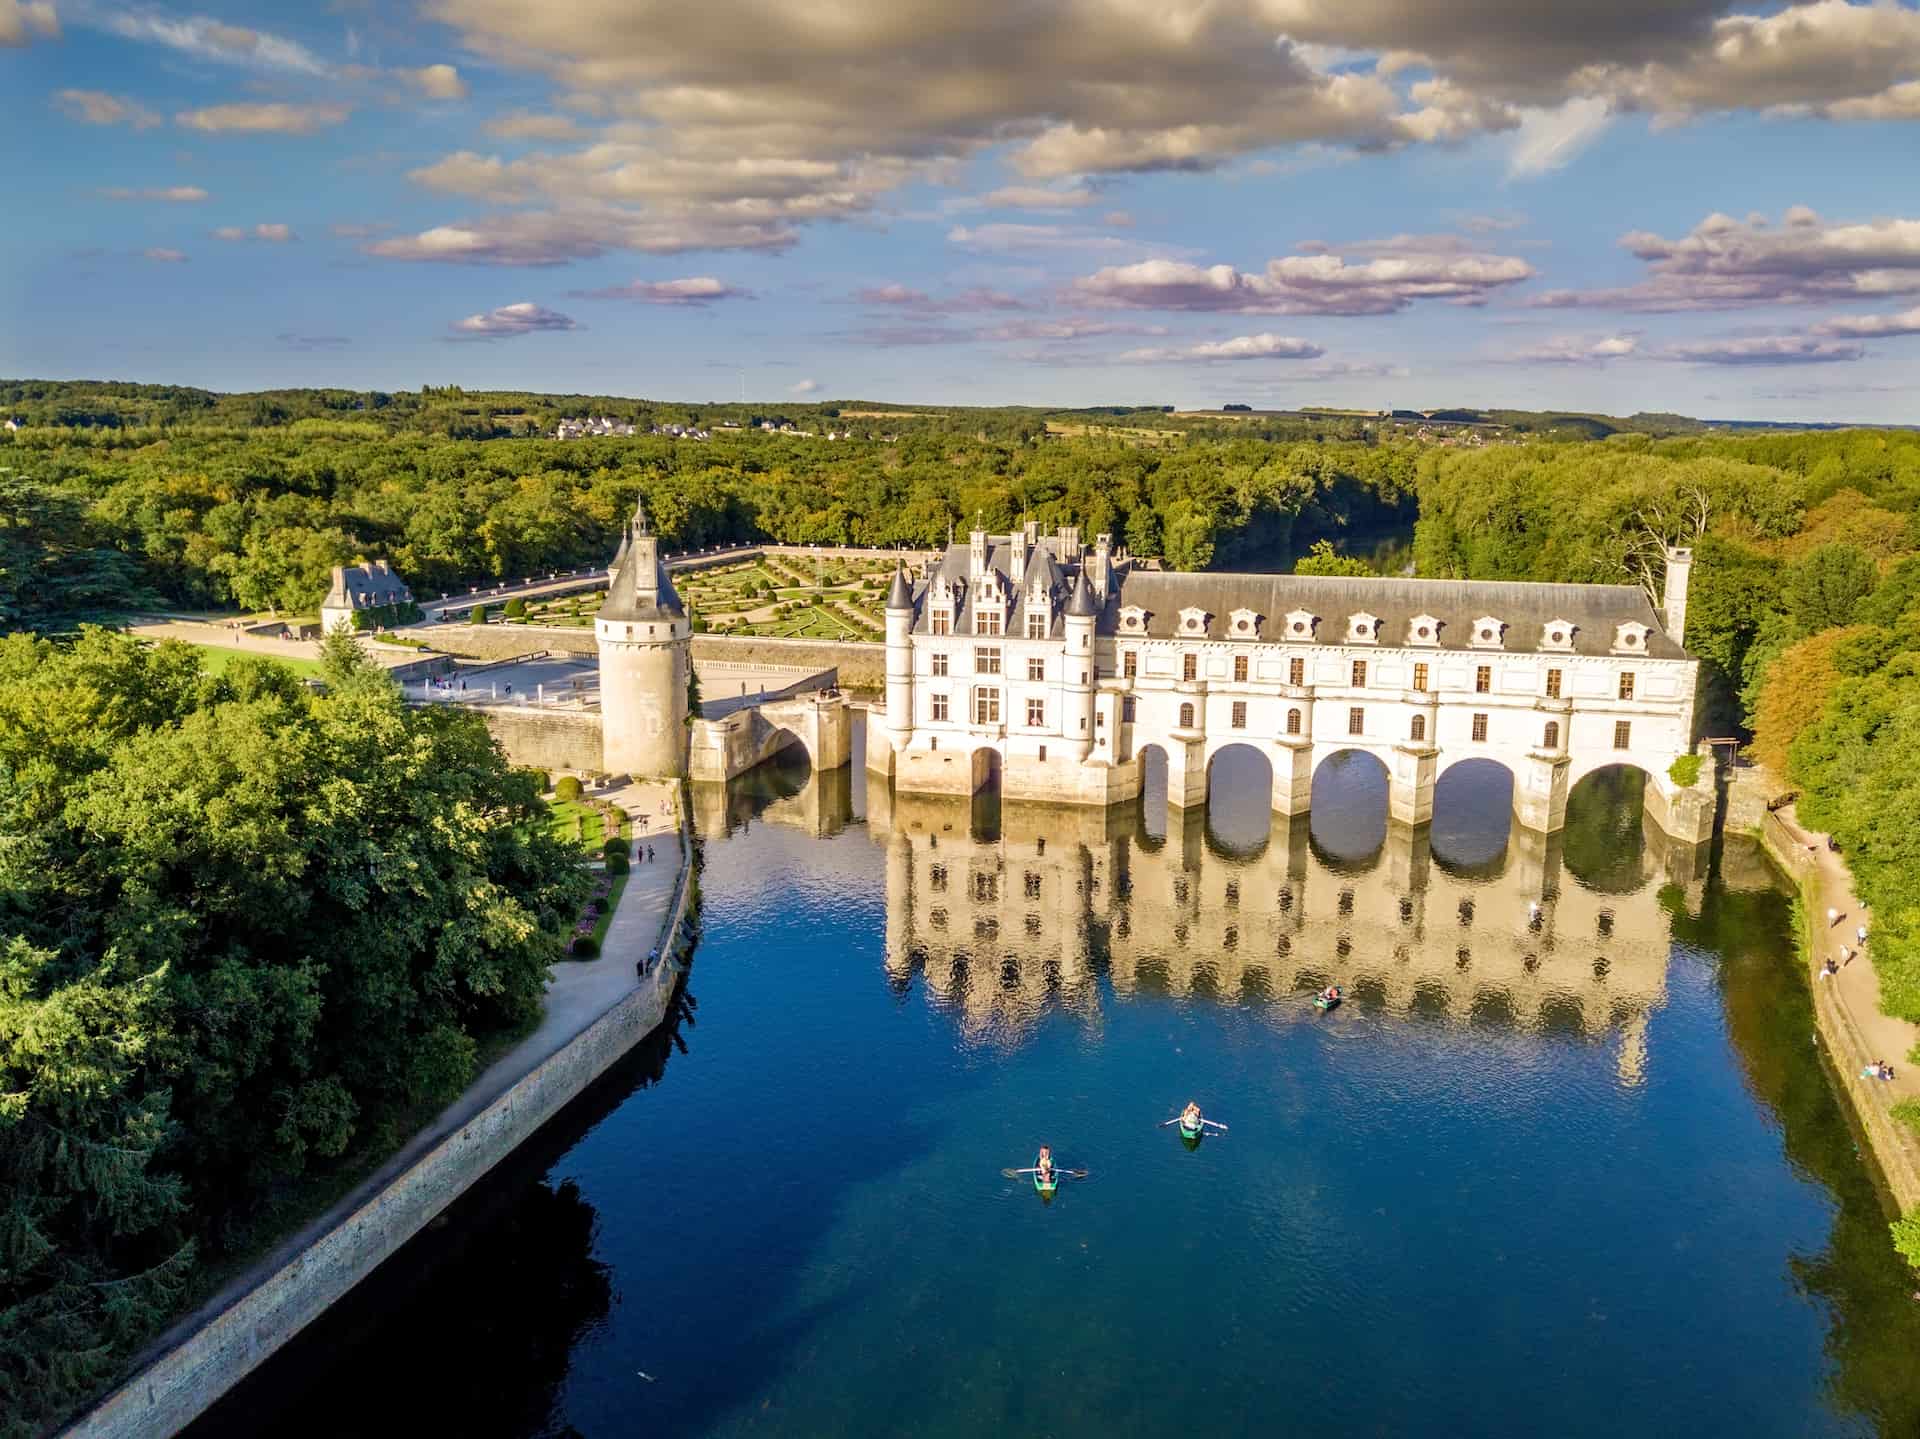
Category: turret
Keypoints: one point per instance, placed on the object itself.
(1674, 594)
(900, 658)
(644, 639)
(1076, 681)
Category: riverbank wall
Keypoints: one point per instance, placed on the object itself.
(206, 1354)
(1893, 1146)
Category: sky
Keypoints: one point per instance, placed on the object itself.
(1674, 205)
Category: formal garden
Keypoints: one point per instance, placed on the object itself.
(780, 596)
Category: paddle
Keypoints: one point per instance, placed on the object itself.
(1214, 1122)
(1068, 1173)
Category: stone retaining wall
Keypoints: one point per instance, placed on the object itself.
(499, 642)
(863, 668)
(212, 1351)
(549, 739)
(1892, 1146)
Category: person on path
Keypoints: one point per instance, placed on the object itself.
(1833, 917)
(1861, 935)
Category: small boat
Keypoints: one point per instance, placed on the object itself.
(1044, 1184)
(1327, 1001)
(1194, 1133)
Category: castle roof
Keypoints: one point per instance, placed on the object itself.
(359, 587)
(633, 593)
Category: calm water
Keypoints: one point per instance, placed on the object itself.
(1573, 1170)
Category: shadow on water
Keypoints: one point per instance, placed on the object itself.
(1347, 819)
(487, 1303)
(1473, 818)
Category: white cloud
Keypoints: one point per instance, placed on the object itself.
(171, 194)
(803, 387)
(164, 257)
(1399, 273)
(694, 290)
(96, 107)
(208, 39)
(1005, 239)
(1724, 263)
(262, 118)
(1027, 197)
(272, 234)
(1067, 330)
(554, 238)
(1764, 350)
(22, 20)
(525, 318)
(1264, 346)
(528, 125)
(1549, 140)
(436, 82)
(1574, 350)
(1865, 327)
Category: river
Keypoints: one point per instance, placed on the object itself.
(1566, 1161)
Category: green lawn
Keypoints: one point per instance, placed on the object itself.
(216, 658)
(564, 822)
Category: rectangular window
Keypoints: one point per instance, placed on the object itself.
(1036, 668)
(1189, 667)
(939, 658)
(1420, 678)
(986, 622)
(1240, 668)
(942, 622)
(986, 705)
(1130, 664)
(1479, 729)
(1036, 627)
(1296, 671)
(1036, 712)
(1553, 684)
(1100, 719)
(1032, 885)
(1359, 674)
(1239, 714)
(939, 710)
(1356, 721)
(938, 876)
(1626, 684)
(1622, 735)
(1483, 679)
(1126, 709)
(1043, 754)
(986, 660)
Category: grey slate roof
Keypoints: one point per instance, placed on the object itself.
(359, 587)
(900, 593)
(629, 596)
(1525, 608)
(956, 564)
(1082, 604)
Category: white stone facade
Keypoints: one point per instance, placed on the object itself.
(1058, 670)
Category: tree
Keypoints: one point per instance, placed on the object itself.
(1321, 560)
(1824, 588)
(1794, 695)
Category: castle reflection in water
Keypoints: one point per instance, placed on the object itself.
(1002, 914)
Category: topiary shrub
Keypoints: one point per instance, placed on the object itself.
(540, 779)
(1685, 771)
(618, 863)
(615, 846)
(515, 610)
(567, 787)
(584, 947)
(477, 615)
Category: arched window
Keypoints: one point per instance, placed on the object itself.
(1186, 716)
(1418, 731)
(1551, 739)
(1293, 721)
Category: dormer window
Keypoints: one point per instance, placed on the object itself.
(1193, 621)
(1423, 630)
(1630, 637)
(1243, 625)
(1363, 628)
(1489, 633)
(1133, 620)
(1300, 625)
(1556, 635)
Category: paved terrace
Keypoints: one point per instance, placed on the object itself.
(573, 682)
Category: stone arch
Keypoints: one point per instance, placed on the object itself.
(1239, 798)
(1472, 815)
(1347, 818)
(1604, 845)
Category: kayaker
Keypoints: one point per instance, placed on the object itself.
(1044, 1164)
(1190, 1116)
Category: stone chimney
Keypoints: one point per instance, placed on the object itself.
(1674, 592)
(977, 565)
(1069, 544)
(1021, 538)
(1102, 573)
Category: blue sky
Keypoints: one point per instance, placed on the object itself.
(1647, 204)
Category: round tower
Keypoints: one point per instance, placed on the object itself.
(899, 661)
(1076, 682)
(644, 638)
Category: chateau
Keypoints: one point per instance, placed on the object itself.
(1058, 669)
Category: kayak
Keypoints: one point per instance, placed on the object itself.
(1045, 1185)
